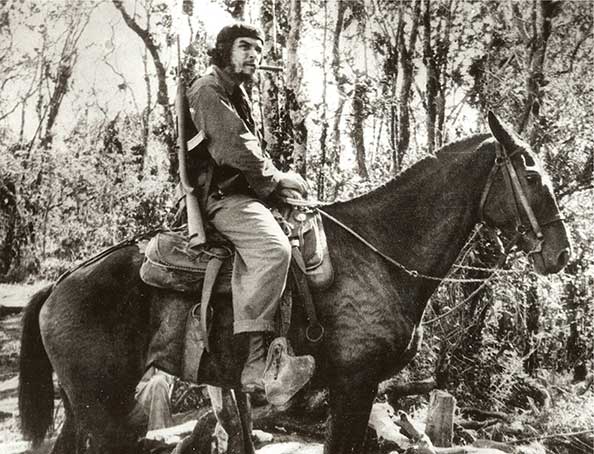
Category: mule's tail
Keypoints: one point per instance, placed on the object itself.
(36, 389)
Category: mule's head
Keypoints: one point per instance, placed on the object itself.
(519, 200)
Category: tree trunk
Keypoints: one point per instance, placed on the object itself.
(543, 12)
(407, 67)
(10, 218)
(432, 77)
(358, 124)
(435, 58)
(533, 313)
(268, 85)
(339, 77)
(392, 76)
(294, 96)
(146, 117)
(574, 346)
(62, 78)
(167, 132)
(77, 23)
(442, 58)
(321, 177)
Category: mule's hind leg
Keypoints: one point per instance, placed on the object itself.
(244, 406)
(66, 441)
(101, 429)
(229, 417)
(350, 407)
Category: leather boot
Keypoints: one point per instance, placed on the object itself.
(253, 369)
(285, 373)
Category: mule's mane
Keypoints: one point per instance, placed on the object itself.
(420, 168)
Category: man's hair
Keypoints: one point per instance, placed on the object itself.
(220, 55)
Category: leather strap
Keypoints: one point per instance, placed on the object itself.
(210, 277)
(519, 200)
(514, 182)
(314, 331)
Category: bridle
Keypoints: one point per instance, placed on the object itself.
(520, 202)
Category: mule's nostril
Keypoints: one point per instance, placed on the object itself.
(563, 258)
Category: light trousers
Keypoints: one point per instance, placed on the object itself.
(153, 400)
(262, 258)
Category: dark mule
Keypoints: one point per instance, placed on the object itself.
(95, 324)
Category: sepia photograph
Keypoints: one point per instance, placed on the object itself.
(296, 227)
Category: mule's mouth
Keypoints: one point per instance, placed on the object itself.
(544, 265)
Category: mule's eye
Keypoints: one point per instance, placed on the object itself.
(532, 178)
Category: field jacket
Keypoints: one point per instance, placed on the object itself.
(231, 144)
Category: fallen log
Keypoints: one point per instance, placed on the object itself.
(409, 435)
(394, 388)
(476, 425)
(483, 414)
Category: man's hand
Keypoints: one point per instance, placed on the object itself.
(292, 181)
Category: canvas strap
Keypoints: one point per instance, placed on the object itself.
(210, 277)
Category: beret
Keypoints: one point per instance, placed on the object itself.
(230, 33)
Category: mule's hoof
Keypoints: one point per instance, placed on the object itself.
(285, 373)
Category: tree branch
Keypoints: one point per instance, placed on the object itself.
(572, 57)
(147, 39)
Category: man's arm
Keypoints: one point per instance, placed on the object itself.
(230, 142)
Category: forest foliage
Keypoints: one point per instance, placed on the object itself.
(366, 89)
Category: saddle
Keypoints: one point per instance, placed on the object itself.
(170, 263)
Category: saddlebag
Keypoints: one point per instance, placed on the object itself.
(171, 264)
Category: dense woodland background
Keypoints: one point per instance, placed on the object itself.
(366, 89)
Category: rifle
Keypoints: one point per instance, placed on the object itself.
(195, 221)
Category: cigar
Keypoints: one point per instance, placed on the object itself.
(270, 68)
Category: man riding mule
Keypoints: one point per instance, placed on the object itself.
(390, 249)
(242, 177)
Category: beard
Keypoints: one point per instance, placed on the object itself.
(245, 78)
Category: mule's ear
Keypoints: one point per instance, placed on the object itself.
(501, 131)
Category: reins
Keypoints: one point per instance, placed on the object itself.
(412, 273)
(520, 202)
(498, 265)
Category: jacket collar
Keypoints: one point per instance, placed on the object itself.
(224, 79)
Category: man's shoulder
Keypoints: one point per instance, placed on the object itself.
(204, 84)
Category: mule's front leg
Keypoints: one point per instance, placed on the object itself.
(350, 406)
(233, 416)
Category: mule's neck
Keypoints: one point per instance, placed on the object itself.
(423, 217)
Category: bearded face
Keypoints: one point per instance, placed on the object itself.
(245, 57)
